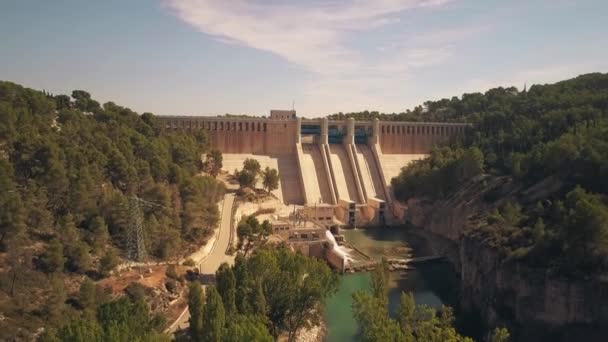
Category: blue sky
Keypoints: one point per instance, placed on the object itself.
(208, 57)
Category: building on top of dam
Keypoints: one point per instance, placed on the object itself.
(345, 165)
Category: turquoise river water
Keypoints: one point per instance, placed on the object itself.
(432, 284)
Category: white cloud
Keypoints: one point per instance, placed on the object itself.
(315, 35)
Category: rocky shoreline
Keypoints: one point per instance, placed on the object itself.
(533, 303)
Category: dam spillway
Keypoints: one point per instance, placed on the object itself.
(370, 172)
(344, 177)
(315, 178)
(346, 164)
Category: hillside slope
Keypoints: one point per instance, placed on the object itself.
(74, 177)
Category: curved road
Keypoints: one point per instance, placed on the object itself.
(216, 257)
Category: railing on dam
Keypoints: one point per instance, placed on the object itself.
(394, 137)
(309, 126)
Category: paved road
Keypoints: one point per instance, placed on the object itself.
(217, 256)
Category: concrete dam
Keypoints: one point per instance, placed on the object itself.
(346, 165)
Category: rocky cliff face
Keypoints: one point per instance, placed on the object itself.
(530, 298)
(507, 292)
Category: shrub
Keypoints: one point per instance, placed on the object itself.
(189, 262)
(171, 285)
(107, 263)
(171, 272)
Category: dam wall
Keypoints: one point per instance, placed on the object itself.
(278, 135)
(347, 164)
(416, 137)
(241, 135)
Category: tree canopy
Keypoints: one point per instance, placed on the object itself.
(274, 291)
(69, 169)
(556, 133)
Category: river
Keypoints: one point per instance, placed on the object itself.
(431, 284)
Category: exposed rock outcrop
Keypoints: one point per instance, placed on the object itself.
(534, 302)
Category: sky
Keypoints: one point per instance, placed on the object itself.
(210, 57)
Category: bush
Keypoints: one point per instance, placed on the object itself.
(171, 285)
(172, 272)
(189, 262)
(107, 263)
(137, 291)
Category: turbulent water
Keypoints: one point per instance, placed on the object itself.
(432, 284)
(341, 250)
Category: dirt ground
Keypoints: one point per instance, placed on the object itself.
(153, 277)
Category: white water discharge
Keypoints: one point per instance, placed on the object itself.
(341, 250)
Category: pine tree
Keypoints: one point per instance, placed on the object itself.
(87, 297)
(107, 263)
(258, 300)
(226, 287)
(214, 316)
(196, 306)
(98, 233)
(53, 259)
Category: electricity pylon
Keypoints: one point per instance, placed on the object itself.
(136, 235)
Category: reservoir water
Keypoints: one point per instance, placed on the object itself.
(431, 284)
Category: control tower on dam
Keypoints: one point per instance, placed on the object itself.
(345, 164)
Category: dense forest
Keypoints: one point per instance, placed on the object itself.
(76, 177)
(273, 293)
(553, 135)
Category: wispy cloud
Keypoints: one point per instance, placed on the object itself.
(317, 35)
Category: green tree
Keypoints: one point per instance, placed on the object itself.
(107, 263)
(213, 162)
(196, 306)
(586, 228)
(63, 102)
(270, 179)
(406, 313)
(512, 214)
(246, 328)
(246, 179)
(87, 297)
(258, 300)
(265, 229)
(243, 288)
(499, 335)
(54, 305)
(98, 235)
(244, 232)
(80, 330)
(124, 319)
(252, 165)
(538, 231)
(52, 259)
(379, 281)
(214, 316)
(372, 316)
(78, 258)
(11, 207)
(226, 287)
